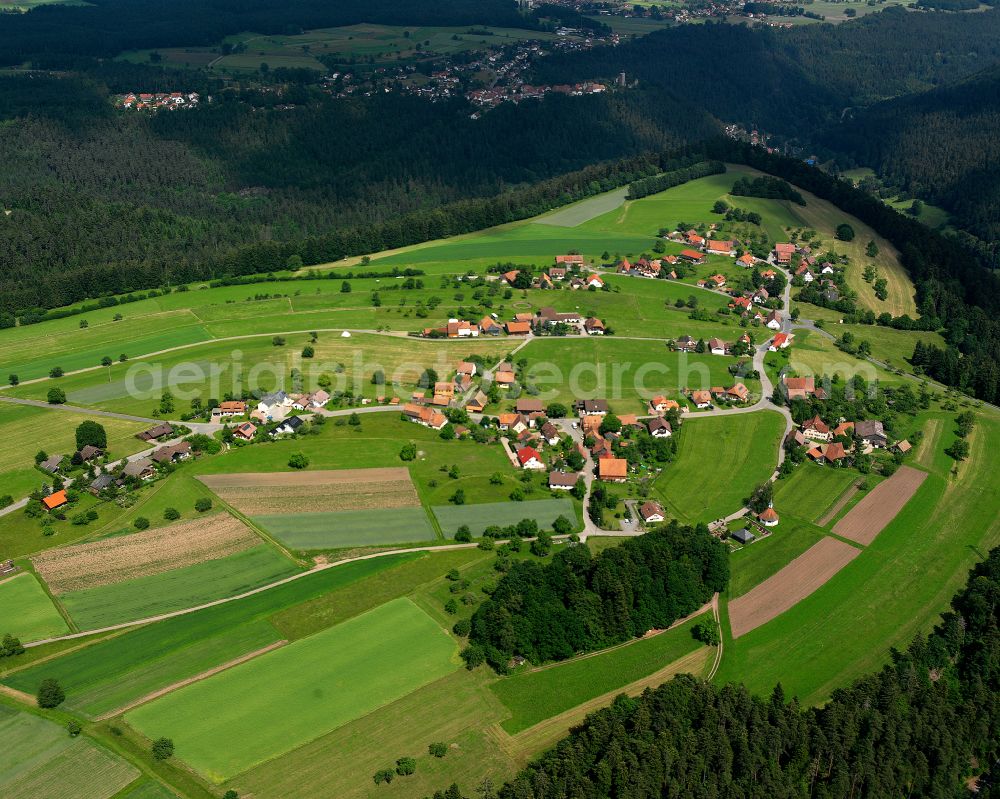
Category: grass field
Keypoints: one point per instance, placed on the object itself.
(479, 517)
(894, 589)
(28, 613)
(38, 760)
(349, 528)
(148, 790)
(812, 490)
(109, 673)
(812, 353)
(176, 589)
(534, 696)
(720, 460)
(258, 710)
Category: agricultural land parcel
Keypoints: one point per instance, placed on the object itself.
(27, 611)
(38, 760)
(231, 721)
(479, 517)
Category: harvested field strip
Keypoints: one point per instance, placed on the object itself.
(350, 528)
(929, 443)
(793, 583)
(270, 705)
(479, 517)
(295, 479)
(844, 498)
(121, 558)
(189, 586)
(321, 499)
(870, 516)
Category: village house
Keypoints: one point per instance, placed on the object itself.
(55, 500)
(245, 431)
(156, 432)
(103, 482)
(557, 273)
(743, 536)
(176, 452)
(529, 458)
(462, 329)
(685, 344)
(462, 383)
(761, 296)
(692, 238)
(802, 388)
(721, 247)
(716, 346)
(569, 260)
(594, 281)
(902, 447)
(816, 429)
(563, 481)
(529, 406)
(510, 277)
(660, 404)
(828, 453)
(701, 399)
(773, 320)
(466, 368)
(232, 408)
(424, 415)
(273, 405)
(741, 303)
(651, 512)
(783, 252)
(613, 470)
(90, 453)
(141, 469)
(512, 422)
(844, 430)
(552, 317)
(319, 399)
(591, 407)
(780, 342)
(52, 464)
(291, 425)
(550, 434)
(659, 428)
(543, 281)
(594, 326)
(478, 403)
(692, 256)
(504, 378)
(747, 260)
(518, 328)
(872, 433)
(737, 393)
(490, 327)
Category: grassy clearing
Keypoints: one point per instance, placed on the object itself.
(349, 528)
(812, 353)
(479, 517)
(38, 760)
(148, 790)
(232, 722)
(28, 613)
(624, 372)
(534, 696)
(719, 462)
(893, 590)
(109, 673)
(812, 490)
(177, 589)
(753, 564)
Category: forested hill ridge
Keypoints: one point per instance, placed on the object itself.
(790, 81)
(942, 145)
(927, 725)
(58, 36)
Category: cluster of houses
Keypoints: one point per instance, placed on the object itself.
(714, 346)
(704, 399)
(154, 102)
(802, 388)
(832, 444)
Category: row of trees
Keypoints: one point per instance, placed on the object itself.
(578, 603)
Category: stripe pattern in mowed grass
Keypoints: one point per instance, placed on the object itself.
(38, 760)
(349, 528)
(261, 709)
(479, 517)
(26, 610)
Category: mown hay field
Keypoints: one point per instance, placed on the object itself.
(27, 611)
(38, 760)
(128, 557)
(349, 528)
(479, 517)
(272, 704)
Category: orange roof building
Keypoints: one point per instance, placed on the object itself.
(55, 500)
(613, 469)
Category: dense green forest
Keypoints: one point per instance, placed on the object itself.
(926, 723)
(578, 603)
(942, 145)
(58, 36)
(235, 188)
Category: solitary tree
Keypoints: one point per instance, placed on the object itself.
(50, 693)
(56, 396)
(163, 748)
(406, 766)
(203, 504)
(298, 460)
(91, 433)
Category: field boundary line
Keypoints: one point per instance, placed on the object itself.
(142, 700)
(837, 506)
(20, 696)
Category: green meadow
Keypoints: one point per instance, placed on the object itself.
(479, 517)
(232, 721)
(812, 490)
(27, 611)
(349, 528)
(720, 460)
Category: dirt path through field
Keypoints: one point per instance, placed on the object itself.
(196, 678)
(870, 516)
(779, 592)
(846, 497)
(20, 696)
(929, 443)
